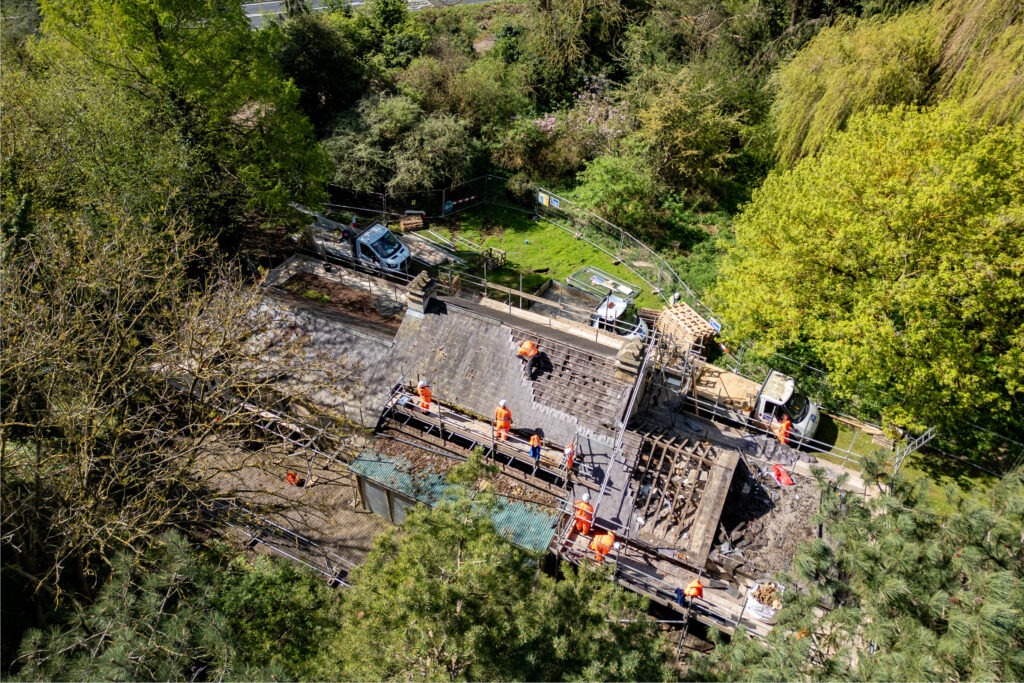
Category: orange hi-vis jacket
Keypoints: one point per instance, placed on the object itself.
(584, 516)
(502, 417)
(527, 350)
(535, 441)
(602, 544)
(425, 396)
(694, 589)
(784, 430)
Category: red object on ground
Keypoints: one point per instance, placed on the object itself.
(781, 476)
(292, 478)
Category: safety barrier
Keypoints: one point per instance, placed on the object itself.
(460, 284)
(285, 542)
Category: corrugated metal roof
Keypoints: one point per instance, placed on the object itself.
(527, 526)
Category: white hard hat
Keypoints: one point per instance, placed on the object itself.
(422, 384)
(586, 497)
(616, 545)
(501, 403)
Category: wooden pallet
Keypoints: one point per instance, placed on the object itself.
(685, 326)
(411, 222)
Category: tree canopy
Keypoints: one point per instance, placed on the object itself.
(894, 258)
(198, 69)
(444, 597)
(178, 613)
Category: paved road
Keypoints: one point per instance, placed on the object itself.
(259, 12)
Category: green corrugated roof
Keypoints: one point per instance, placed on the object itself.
(527, 526)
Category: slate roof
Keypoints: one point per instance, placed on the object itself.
(348, 373)
(527, 526)
(469, 359)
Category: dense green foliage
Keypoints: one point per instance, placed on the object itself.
(894, 259)
(175, 614)
(444, 597)
(913, 595)
(968, 50)
(152, 620)
(195, 72)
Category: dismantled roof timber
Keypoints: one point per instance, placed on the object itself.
(710, 511)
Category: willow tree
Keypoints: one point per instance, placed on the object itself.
(894, 259)
(965, 50)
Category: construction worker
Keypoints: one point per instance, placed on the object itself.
(535, 444)
(528, 354)
(603, 544)
(784, 429)
(502, 420)
(584, 515)
(349, 235)
(527, 350)
(694, 589)
(570, 455)
(426, 396)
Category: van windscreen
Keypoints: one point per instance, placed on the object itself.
(387, 245)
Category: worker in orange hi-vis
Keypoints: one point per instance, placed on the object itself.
(527, 350)
(502, 420)
(535, 444)
(603, 544)
(784, 429)
(570, 455)
(694, 589)
(528, 354)
(584, 515)
(426, 396)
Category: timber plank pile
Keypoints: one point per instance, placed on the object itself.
(412, 221)
(685, 327)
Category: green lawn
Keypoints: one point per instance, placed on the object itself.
(537, 249)
(965, 481)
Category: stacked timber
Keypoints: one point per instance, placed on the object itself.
(412, 221)
(684, 326)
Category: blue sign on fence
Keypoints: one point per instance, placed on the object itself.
(715, 324)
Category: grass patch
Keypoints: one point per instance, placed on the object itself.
(537, 250)
(317, 296)
(942, 491)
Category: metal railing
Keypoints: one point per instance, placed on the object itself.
(457, 283)
(285, 542)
